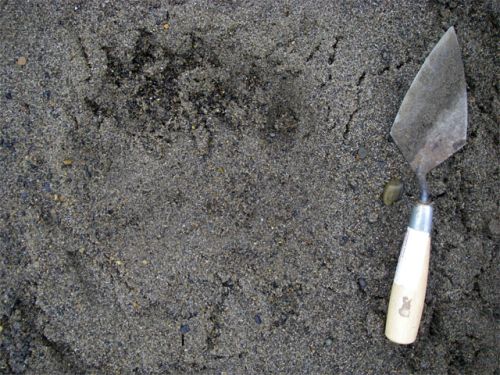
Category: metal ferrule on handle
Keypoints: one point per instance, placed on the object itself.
(421, 218)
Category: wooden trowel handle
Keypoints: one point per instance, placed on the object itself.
(408, 290)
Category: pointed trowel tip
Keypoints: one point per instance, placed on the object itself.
(451, 33)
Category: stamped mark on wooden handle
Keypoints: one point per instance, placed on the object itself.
(404, 311)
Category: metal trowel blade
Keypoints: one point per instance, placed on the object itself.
(431, 124)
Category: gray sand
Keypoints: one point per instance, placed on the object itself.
(194, 187)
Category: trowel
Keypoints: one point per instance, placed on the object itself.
(431, 125)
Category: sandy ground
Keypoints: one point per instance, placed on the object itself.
(193, 187)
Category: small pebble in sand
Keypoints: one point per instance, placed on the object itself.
(362, 283)
(68, 162)
(343, 240)
(258, 319)
(392, 191)
(46, 187)
(372, 217)
(58, 198)
(362, 153)
(328, 342)
(21, 61)
(185, 329)
(166, 26)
